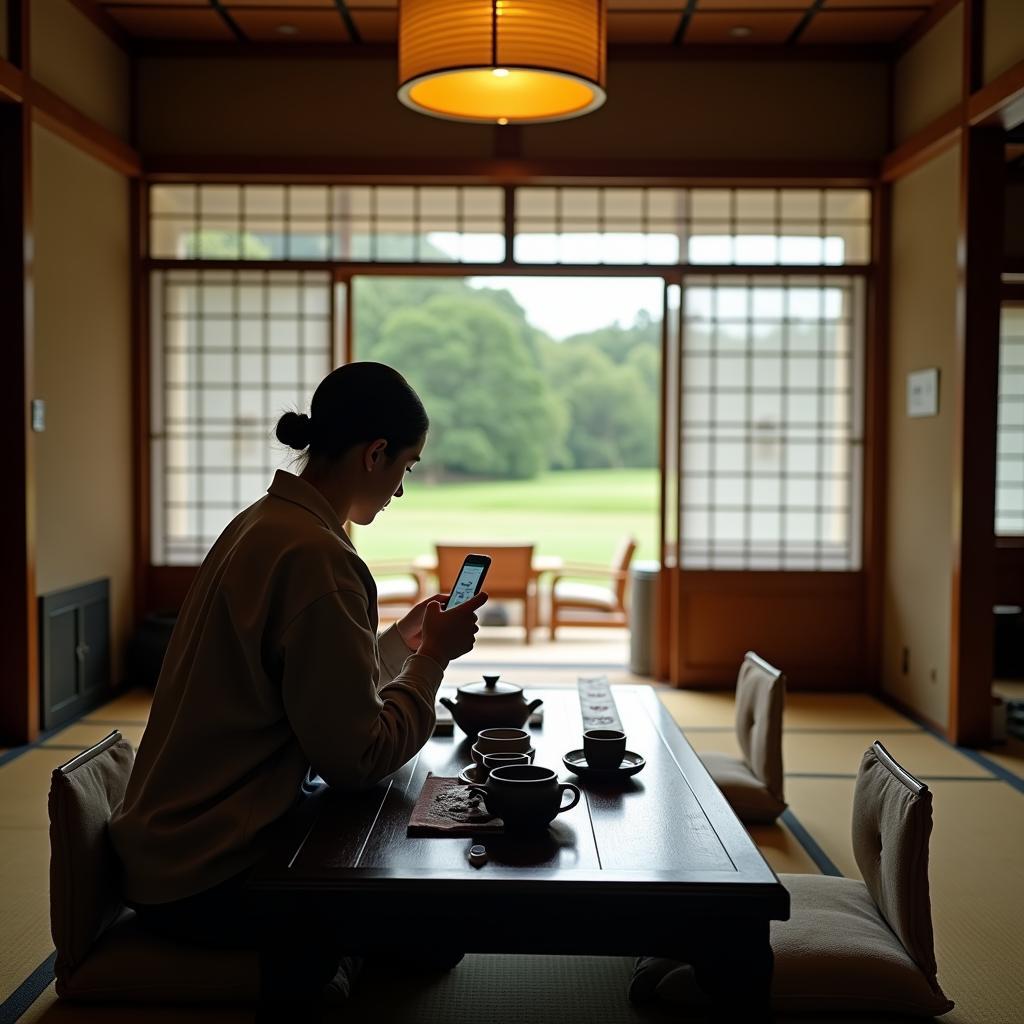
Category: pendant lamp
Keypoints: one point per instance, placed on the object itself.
(502, 61)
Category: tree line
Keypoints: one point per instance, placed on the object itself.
(504, 399)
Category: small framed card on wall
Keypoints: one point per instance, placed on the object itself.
(923, 392)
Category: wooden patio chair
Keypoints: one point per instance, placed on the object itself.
(511, 576)
(590, 604)
(399, 587)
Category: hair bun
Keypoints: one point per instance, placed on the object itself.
(295, 430)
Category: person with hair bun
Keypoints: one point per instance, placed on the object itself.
(275, 674)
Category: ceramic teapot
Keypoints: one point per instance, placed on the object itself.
(490, 705)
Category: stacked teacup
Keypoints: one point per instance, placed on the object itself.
(524, 795)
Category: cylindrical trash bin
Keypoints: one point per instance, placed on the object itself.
(643, 604)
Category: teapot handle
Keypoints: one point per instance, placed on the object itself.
(534, 704)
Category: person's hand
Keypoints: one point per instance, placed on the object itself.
(447, 635)
(410, 625)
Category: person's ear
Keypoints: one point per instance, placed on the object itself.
(374, 454)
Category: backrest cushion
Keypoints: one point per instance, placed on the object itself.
(85, 891)
(891, 829)
(760, 698)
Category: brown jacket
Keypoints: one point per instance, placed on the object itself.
(274, 667)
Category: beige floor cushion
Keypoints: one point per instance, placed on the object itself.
(837, 953)
(834, 955)
(748, 796)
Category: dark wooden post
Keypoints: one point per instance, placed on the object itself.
(980, 257)
(19, 674)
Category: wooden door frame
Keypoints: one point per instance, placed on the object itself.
(19, 658)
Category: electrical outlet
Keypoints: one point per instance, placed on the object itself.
(905, 661)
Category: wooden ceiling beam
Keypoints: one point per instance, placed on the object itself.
(12, 83)
(61, 118)
(654, 173)
(1001, 102)
(221, 49)
(942, 134)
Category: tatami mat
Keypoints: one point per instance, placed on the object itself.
(830, 711)
(24, 785)
(829, 753)
(24, 904)
(131, 706)
(85, 734)
(977, 885)
(1008, 755)
(485, 989)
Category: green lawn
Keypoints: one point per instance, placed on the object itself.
(579, 515)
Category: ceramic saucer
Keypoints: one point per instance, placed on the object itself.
(576, 762)
(474, 774)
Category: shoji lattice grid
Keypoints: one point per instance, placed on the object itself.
(1010, 444)
(364, 223)
(709, 226)
(231, 351)
(771, 431)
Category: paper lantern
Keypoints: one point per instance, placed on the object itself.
(502, 61)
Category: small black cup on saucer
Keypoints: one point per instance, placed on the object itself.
(604, 748)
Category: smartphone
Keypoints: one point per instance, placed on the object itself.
(470, 579)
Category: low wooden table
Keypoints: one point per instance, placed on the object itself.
(657, 864)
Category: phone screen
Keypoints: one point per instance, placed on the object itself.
(466, 584)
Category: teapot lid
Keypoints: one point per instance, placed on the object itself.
(490, 687)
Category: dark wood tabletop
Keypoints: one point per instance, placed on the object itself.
(656, 864)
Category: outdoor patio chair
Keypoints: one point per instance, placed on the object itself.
(511, 576)
(753, 783)
(102, 953)
(849, 946)
(399, 587)
(589, 604)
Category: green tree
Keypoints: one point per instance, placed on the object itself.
(489, 405)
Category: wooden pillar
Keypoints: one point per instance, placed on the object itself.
(19, 675)
(979, 257)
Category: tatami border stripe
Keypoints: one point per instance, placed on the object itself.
(28, 991)
(810, 845)
(979, 759)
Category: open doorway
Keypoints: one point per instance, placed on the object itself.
(543, 394)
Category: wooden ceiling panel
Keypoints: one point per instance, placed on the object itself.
(760, 6)
(110, 5)
(642, 27)
(924, 4)
(355, 6)
(202, 23)
(291, 25)
(639, 6)
(376, 26)
(859, 27)
(716, 27)
(286, 5)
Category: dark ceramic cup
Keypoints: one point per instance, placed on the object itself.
(604, 748)
(525, 796)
